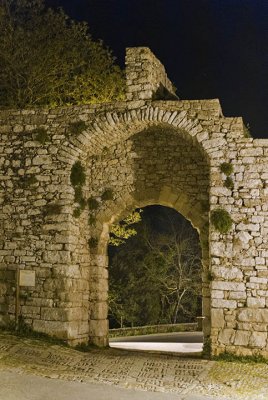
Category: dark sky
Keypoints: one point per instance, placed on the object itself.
(210, 48)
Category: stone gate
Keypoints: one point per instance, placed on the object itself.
(68, 173)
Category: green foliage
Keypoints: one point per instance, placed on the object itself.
(46, 59)
(92, 242)
(221, 220)
(77, 212)
(229, 183)
(206, 353)
(41, 135)
(119, 233)
(92, 219)
(93, 204)
(227, 168)
(29, 180)
(229, 357)
(78, 196)
(77, 127)
(52, 209)
(210, 276)
(78, 175)
(108, 194)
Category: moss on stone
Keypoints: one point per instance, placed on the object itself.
(92, 242)
(77, 127)
(108, 194)
(41, 135)
(93, 203)
(92, 219)
(229, 183)
(29, 180)
(221, 220)
(226, 168)
(52, 209)
(77, 212)
(78, 176)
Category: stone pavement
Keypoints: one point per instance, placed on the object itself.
(186, 377)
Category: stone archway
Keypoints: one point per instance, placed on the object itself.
(152, 148)
(158, 165)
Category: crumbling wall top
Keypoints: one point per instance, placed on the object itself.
(146, 77)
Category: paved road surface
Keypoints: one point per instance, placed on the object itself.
(16, 386)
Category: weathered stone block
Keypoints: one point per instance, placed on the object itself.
(258, 339)
(242, 338)
(226, 336)
(217, 318)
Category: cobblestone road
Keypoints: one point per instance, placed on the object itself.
(141, 371)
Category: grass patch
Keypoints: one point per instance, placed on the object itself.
(229, 357)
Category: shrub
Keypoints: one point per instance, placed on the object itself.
(226, 168)
(78, 194)
(229, 183)
(93, 204)
(108, 194)
(29, 180)
(77, 212)
(77, 127)
(78, 176)
(91, 219)
(221, 220)
(41, 135)
(92, 242)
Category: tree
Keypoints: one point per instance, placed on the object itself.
(123, 230)
(47, 59)
(156, 276)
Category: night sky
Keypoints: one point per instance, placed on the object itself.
(210, 48)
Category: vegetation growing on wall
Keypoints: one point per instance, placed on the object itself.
(226, 168)
(77, 127)
(107, 195)
(41, 135)
(52, 209)
(221, 220)
(46, 59)
(78, 175)
(229, 183)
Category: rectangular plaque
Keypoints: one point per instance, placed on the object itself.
(27, 278)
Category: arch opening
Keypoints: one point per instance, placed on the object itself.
(155, 281)
(158, 165)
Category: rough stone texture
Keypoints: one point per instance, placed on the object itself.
(148, 150)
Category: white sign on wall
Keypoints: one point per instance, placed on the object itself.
(27, 278)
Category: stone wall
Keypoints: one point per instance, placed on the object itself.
(147, 151)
